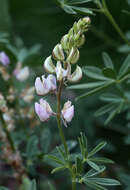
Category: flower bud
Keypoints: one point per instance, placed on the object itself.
(4, 59)
(68, 111)
(76, 75)
(65, 42)
(43, 110)
(73, 56)
(81, 40)
(45, 85)
(86, 20)
(48, 65)
(83, 24)
(58, 53)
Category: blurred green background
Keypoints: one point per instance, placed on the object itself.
(43, 22)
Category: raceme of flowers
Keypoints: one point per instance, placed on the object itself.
(64, 55)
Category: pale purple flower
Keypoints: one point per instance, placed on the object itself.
(68, 111)
(4, 59)
(43, 110)
(21, 73)
(45, 85)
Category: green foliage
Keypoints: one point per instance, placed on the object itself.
(71, 9)
(78, 163)
(24, 26)
(107, 78)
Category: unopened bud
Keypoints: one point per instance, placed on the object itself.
(86, 20)
(58, 53)
(76, 75)
(65, 42)
(73, 56)
(48, 65)
(83, 23)
(81, 40)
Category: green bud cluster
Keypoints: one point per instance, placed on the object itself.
(75, 37)
(66, 52)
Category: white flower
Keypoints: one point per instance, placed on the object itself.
(45, 85)
(43, 110)
(68, 111)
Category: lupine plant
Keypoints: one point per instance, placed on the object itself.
(64, 57)
(31, 156)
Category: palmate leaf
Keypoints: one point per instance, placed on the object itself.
(125, 66)
(71, 144)
(93, 165)
(92, 172)
(87, 85)
(94, 73)
(102, 160)
(97, 149)
(109, 73)
(105, 109)
(94, 91)
(68, 9)
(96, 183)
(83, 10)
(104, 181)
(93, 185)
(114, 108)
(114, 112)
(73, 2)
(107, 61)
(109, 97)
(56, 159)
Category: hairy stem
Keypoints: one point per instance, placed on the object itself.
(59, 117)
(8, 135)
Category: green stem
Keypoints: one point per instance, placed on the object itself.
(8, 135)
(113, 22)
(59, 117)
(73, 185)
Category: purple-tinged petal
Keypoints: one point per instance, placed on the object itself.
(68, 111)
(40, 87)
(4, 59)
(41, 112)
(52, 81)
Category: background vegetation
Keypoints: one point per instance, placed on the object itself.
(41, 24)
